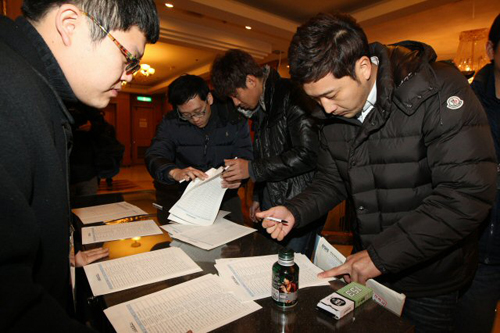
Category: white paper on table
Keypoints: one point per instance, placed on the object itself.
(177, 228)
(107, 212)
(201, 200)
(250, 277)
(221, 232)
(111, 232)
(138, 270)
(200, 305)
(327, 257)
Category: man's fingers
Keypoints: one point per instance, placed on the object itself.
(340, 270)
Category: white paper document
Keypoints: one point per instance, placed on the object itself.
(209, 237)
(200, 201)
(326, 257)
(107, 212)
(250, 277)
(200, 305)
(138, 270)
(105, 233)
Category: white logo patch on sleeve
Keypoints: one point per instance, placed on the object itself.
(454, 103)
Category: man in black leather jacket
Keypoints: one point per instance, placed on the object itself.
(198, 135)
(408, 142)
(286, 136)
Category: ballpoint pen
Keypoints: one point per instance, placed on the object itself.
(284, 222)
(225, 168)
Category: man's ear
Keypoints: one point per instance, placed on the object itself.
(210, 99)
(251, 81)
(489, 50)
(364, 68)
(66, 22)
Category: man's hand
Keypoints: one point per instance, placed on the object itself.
(230, 185)
(237, 169)
(358, 267)
(187, 174)
(254, 208)
(275, 229)
(84, 258)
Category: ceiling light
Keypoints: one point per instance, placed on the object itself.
(146, 70)
(248, 27)
(169, 5)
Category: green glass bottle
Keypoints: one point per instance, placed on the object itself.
(285, 284)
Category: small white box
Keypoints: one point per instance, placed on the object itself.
(337, 305)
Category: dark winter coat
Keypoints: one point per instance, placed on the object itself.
(180, 144)
(420, 171)
(286, 141)
(35, 136)
(484, 87)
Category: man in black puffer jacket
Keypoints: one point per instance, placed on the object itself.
(198, 135)
(408, 142)
(286, 136)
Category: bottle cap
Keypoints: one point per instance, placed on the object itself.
(285, 256)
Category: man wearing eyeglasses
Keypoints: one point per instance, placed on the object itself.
(199, 134)
(60, 52)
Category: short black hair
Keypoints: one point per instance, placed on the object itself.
(185, 88)
(327, 43)
(111, 14)
(494, 35)
(230, 71)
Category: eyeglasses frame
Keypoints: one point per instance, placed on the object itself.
(133, 63)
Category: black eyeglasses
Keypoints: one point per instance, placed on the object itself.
(187, 116)
(133, 64)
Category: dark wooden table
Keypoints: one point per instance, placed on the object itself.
(369, 317)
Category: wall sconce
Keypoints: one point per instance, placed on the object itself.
(471, 54)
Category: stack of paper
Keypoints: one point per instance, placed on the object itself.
(107, 212)
(200, 201)
(138, 270)
(199, 305)
(327, 257)
(106, 233)
(250, 278)
(221, 232)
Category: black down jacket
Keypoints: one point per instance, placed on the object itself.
(286, 140)
(180, 144)
(420, 171)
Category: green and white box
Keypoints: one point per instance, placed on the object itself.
(356, 292)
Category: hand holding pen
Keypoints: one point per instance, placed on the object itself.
(237, 170)
(278, 221)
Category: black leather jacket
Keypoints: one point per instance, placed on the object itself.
(286, 142)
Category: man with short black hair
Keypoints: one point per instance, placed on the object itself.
(198, 135)
(408, 143)
(60, 52)
(286, 136)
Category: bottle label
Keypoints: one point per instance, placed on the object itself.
(284, 290)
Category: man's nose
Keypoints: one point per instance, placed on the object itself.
(236, 101)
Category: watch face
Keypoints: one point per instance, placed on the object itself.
(337, 301)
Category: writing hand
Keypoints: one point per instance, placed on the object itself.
(275, 229)
(358, 267)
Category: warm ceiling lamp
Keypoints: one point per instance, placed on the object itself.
(169, 5)
(146, 70)
(471, 54)
(248, 27)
